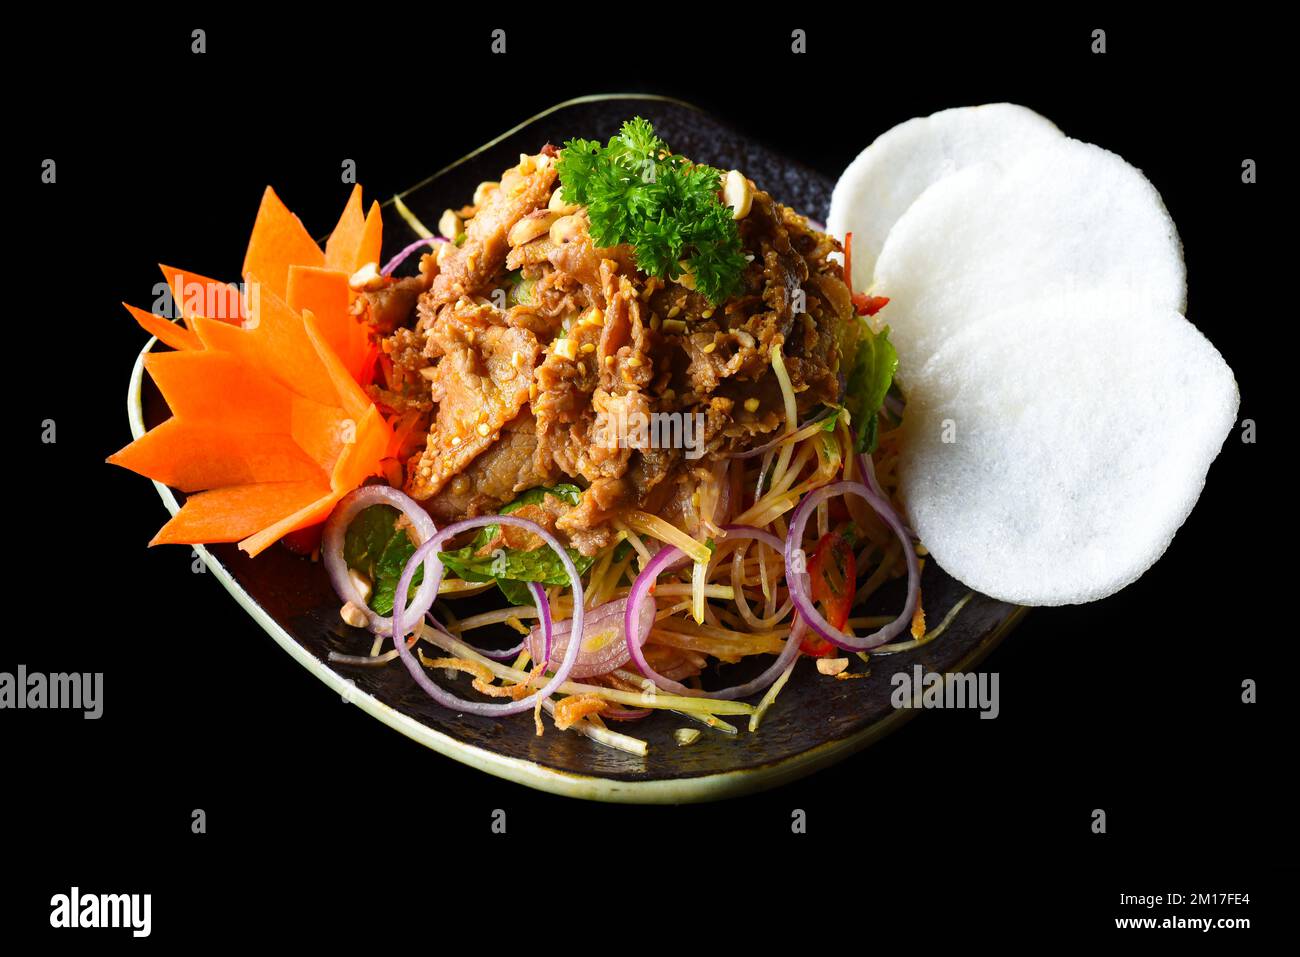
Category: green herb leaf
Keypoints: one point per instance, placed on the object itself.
(376, 547)
(873, 370)
(666, 208)
(569, 494)
(512, 568)
(516, 593)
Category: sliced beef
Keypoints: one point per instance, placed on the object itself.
(496, 477)
(579, 257)
(479, 383)
(561, 400)
(588, 525)
(466, 270)
(561, 379)
(403, 363)
(720, 354)
(392, 306)
(531, 255)
(784, 270)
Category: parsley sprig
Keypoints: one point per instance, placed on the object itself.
(667, 208)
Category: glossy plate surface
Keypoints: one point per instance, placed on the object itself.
(815, 721)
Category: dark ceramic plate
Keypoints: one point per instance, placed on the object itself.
(815, 721)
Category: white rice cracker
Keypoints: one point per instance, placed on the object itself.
(1050, 451)
(1068, 216)
(884, 179)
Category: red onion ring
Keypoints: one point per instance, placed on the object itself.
(742, 603)
(797, 581)
(336, 565)
(544, 619)
(757, 534)
(503, 655)
(428, 552)
(543, 613)
(603, 660)
(868, 469)
(405, 252)
(640, 591)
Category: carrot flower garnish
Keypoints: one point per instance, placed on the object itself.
(270, 424)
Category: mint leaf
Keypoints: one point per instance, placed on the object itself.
(510, 568)
(570, 494)
(376, 547)
(516, 593)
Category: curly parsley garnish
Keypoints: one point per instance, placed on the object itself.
(637, 192)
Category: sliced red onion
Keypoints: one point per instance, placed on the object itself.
(428, 552)
(543, 619)
(335, 533)
(505, 654)
(428, 616)
(636, 636)
(604, 618)
(757, 534)
(797, 576)
(868, 469)
(544, 616)
(742, 603)
(404, 253)
(755, 452)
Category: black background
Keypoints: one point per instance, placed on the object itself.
(319, 816)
